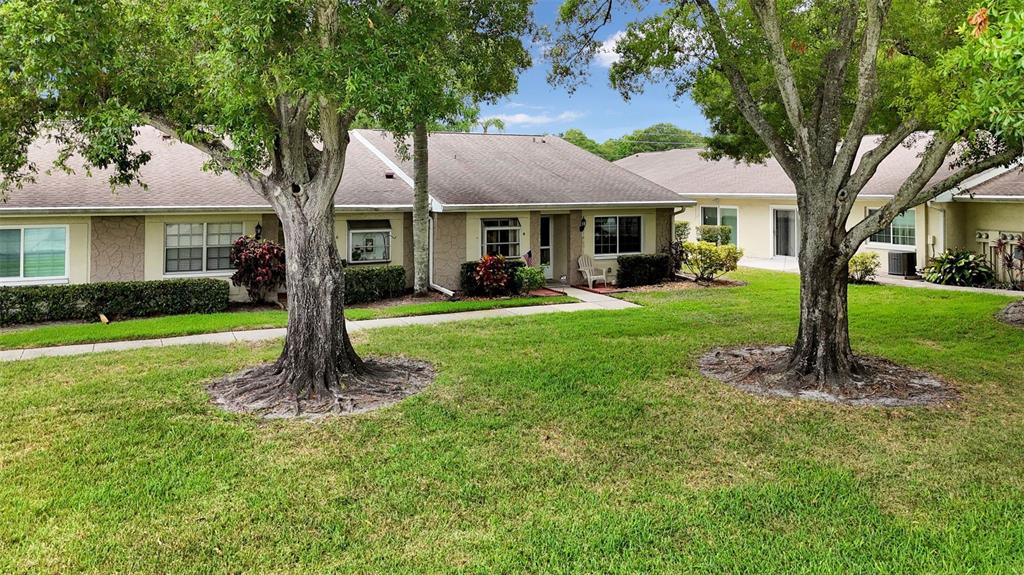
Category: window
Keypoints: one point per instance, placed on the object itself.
(199, 247)
(614, 235)
(369, 241)
(501, 237)
(721, 216)
(901, 232)
(33, 253)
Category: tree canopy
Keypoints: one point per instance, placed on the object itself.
(655, 138)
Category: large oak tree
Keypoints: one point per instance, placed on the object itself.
(805, 81)
(267, 88)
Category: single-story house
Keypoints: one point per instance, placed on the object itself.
(759, 202)
(513, 195)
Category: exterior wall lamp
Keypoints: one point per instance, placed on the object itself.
(583, 224)
(259, 231)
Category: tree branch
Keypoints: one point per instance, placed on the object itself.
(868, 165)
(867, 87)
(748, 107)
(915, 190)
(826, 115)
(213, 147)
(767, 13)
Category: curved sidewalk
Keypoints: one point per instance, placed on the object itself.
(588, 302)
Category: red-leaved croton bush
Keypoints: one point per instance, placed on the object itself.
(492, 275)
(259, 266)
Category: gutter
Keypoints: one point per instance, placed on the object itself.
(100, 210)
(564, 206)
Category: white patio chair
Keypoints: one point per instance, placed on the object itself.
(590, 272)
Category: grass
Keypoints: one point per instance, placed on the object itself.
(172, 326)
(548, 444)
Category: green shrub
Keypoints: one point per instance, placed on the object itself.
(864, 267)
(706, 261)
(471, 287)
(529, 279)
(959, 267)
(116, 300)
(681, 231)
(373, 283)
(643, 269)
(719, 235)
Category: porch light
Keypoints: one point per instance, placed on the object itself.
(259, 231)
(583, 224)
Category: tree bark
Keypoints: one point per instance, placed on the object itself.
(420, 213)
(317, 351)
(822, 357)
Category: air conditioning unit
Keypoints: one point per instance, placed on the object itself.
(903, 264)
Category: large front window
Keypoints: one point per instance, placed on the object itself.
(901, 232)
(615, 235)
(722, 216)
(199, 247)
(501, 237)
(35, 253)
(369, 241)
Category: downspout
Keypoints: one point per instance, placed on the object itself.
(942, 225)
(430, 260)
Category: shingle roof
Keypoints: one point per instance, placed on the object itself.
(1009, 185)
(503, 169)
(686, 173)
(465, 169)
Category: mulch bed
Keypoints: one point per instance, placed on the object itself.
(386, 381)
(1013, 314)
(757, 370)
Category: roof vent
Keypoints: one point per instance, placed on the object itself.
(389, 175)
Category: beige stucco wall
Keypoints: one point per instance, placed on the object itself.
(449, 237)
(648, 244)
(398, 234)
(975, 216)
(755, 233)
(118, 248)
(474, 232)
(78, 241)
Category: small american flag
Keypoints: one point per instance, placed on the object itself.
(528, 258)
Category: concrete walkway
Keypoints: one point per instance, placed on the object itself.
(791, 265)
(588, 302)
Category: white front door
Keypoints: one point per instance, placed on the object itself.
(545, 247)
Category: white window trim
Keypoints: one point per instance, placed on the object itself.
(892, 247)
(593, 236)
(771, 210)
(21, 280)
(736, 229)
(483, 234)
(373, 231)
(204, 273)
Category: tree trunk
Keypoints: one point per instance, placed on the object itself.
(317, 352)
(822, 357)
(420, 216)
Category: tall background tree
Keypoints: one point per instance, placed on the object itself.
(655, 138)
(805, 82)
(267, 88)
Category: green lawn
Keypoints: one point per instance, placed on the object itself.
(171, 326)
(548, 444)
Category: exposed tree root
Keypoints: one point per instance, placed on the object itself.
(268, 392)
(879, 382)
(1013, 314)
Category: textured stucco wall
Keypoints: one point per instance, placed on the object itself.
(78, 242)
(663, 227)
(407, 249)
(118, 249)
(574, 243)
(449, 249)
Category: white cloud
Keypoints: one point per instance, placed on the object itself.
(605, 55)
(524, 119)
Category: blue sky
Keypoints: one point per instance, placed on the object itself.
(595, 108)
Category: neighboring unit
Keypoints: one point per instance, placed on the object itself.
(517, 196)
(759, 202)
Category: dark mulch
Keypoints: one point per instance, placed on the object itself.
(1013, 314)
(384, 382)
(758, 370)
(686, 283)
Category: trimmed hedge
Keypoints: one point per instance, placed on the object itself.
(116, 300)
(643, 269)
(469, 283)
(369, 284)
